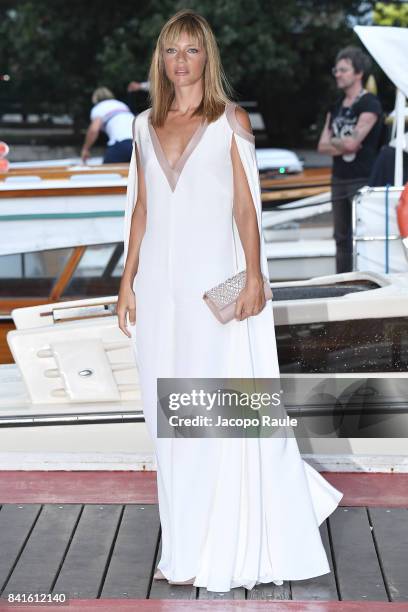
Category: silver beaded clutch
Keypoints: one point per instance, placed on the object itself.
(222, 298)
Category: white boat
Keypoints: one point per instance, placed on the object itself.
(72, 396)
(83, 208)
(51, 214)
(299, 239)
(72, 162)
(82, 204)
(271, 158)
(377, 244)
(71, 399)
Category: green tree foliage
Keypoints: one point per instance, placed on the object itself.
(278, 53)
(391, 14)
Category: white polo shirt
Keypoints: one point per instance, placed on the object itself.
(117, 119)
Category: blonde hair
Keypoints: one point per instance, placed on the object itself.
(215, 86)
(102, 93)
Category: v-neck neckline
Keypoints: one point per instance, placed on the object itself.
(173, 173)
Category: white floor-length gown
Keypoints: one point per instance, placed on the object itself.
(234, 511)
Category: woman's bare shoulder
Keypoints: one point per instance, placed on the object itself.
(243, 118)
(239, 122)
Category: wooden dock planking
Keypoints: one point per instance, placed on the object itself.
(110, 552)
(358, 571)
(83, 570)
(161, 589)
(123, 605)
(236, 593)
(43, 553)
(270, 592)
(390, 530)
(322, 587)
(130, 570)
(16, 521)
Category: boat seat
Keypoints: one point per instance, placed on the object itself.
(95, 176)
(75, 361)
(23, 179)
(85, 370)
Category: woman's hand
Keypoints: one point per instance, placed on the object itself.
(85, 154)
(251, 300)
(126, 304)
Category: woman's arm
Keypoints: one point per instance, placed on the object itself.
(252, 298)
(90, 137)
(126, 298)
(137, 227)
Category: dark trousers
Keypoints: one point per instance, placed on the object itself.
(119, 152)
(343, 191)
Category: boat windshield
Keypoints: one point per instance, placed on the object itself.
(359, 345)
(78, 272)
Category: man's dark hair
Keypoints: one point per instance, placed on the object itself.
(359, 60)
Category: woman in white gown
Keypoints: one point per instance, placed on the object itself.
(233, 511)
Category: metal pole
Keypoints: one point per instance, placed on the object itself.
(400, 138)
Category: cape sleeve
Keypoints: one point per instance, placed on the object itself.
(131, 194)
(246, 148)
(260, 328)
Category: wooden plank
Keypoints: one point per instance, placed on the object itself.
(94, 190)
(130, 568)
(309, 175)
(391, 536)
(321, 587)
(270, 592)
(357, 567)
(85, 487)
(123, 605)
(5, 353)
(235, 593)
(65, 172)
(139, 487)
(371, 488)
(161, 589)
(293, 194)
(44, 550)
(67, 273)
(147, 605)
(50, 192)
(16, 520)
(83, 571)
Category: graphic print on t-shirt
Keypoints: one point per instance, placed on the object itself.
(344, 124)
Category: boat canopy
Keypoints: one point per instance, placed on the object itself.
(389, 48)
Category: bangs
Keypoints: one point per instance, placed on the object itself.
(216, 89)
(187, 26)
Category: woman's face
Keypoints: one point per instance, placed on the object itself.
(184, 61)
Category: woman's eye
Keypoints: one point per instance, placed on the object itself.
(172, 50)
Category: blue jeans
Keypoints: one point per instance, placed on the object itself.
(119, 152)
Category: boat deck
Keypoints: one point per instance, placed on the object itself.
(95, 537)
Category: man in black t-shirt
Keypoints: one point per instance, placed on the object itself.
(351, 134)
